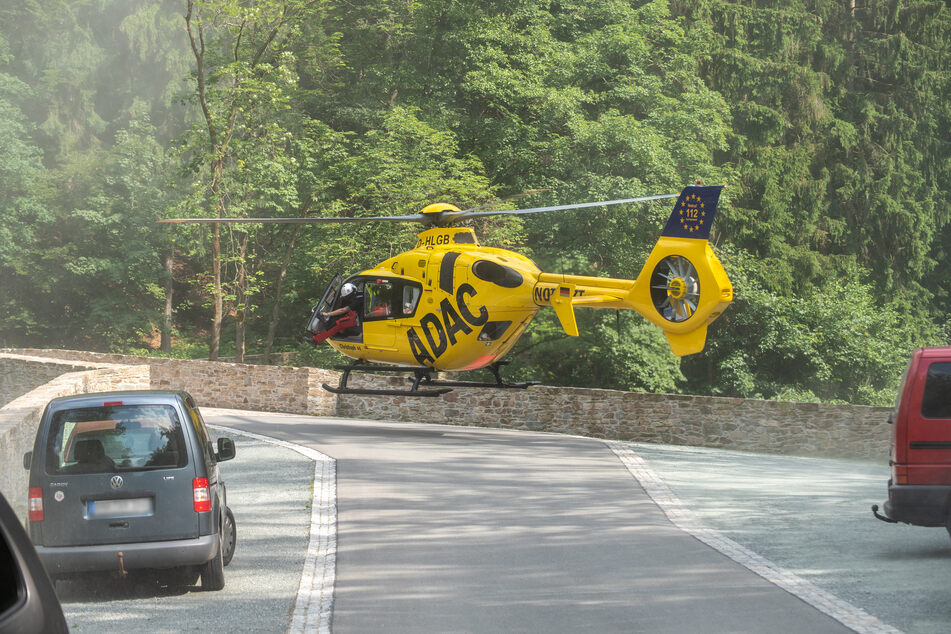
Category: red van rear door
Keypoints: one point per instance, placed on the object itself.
(929, 424)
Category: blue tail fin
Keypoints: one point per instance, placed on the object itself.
(693, 214)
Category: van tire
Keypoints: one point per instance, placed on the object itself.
(229, 536)
(213, 571)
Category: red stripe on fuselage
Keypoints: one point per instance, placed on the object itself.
(481, 362)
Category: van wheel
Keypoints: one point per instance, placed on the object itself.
(213, 572)
(229, 536)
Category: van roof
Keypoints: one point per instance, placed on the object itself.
(944, 352)
(128, 397)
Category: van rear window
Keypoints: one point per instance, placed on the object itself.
(936, 401)
(115, 438)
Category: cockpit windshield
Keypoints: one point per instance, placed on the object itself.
(325, 304)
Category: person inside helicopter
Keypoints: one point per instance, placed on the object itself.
(351, 300)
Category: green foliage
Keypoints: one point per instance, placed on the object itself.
(835, 343)
(97, 258)
(615, 351)
(836, 140)
(21, 208)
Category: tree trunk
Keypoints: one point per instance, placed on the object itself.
(241, 301)
(276, 312)
(196, 37)
(219, 306)
(169, 290)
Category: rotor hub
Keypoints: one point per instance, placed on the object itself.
(438, 214)
(675, 288)
(438, 208)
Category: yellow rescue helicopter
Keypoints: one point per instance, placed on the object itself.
(451, 304)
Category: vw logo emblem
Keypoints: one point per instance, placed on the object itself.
(116, 482)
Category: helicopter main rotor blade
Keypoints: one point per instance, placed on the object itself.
(440, 219)
(464, 215)
(297, 221)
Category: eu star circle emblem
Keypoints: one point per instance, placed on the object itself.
(692, 213)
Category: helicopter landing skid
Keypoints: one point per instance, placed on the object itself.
(494, 369)
(422, 377)
(420, 374)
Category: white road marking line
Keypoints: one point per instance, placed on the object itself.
(685, 519)
(313, 608)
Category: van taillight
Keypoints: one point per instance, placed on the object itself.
(36, 504)
(201, 495)
(899, 474)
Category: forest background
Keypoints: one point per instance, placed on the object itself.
(829, 120)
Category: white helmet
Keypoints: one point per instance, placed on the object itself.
(346, 289)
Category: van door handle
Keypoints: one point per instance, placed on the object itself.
(118, 525)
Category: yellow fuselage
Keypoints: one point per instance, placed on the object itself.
(456, 306)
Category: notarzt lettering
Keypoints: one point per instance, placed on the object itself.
(543, 294)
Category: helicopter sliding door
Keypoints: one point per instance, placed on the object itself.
(387, 303)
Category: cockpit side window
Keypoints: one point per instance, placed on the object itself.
(410, 299)
(330, 295)
(390, 298)
(377, 299)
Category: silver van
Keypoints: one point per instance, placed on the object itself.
(128, 481)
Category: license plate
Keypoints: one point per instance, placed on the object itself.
(131, 507)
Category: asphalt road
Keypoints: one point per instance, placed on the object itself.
(812, 517)
(463, 529)
(457, 529)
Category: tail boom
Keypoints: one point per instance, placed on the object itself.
(682, 287)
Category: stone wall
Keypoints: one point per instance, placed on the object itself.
(20, 374)
(745, 424)
(268, 388)
(811, 429)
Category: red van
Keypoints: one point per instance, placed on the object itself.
(919, 491)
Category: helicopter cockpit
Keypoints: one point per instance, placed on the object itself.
(382, 299)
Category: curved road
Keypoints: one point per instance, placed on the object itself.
(465, 529)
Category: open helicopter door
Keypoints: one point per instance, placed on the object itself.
(683, 287)
(325, 305)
